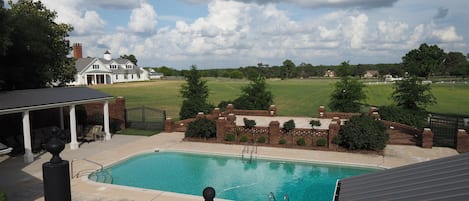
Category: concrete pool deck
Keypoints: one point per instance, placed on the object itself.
(23, 181)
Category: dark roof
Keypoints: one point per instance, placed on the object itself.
(82, 63)
(441, 179)
(34, 99)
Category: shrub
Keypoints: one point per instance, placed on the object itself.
(301, 142)
(289, 125)
(416, 118)
(191, 108)
(362, 132)
(249, 123)
(282, 141)
(201, 128)
(243, 138)
(321, 142)
(314, 123)
(229, 137)
(261, 139)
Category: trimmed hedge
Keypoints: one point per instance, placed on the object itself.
(203, 127)
(363, 132)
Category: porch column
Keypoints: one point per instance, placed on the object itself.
(28, 154)
(106, 120)
(73, 128)
(95, 79)
(61, 111)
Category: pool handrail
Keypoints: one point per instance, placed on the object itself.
(87, 160)
(271, 196)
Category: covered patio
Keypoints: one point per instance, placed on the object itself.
(26, 101)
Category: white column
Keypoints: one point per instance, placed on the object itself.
(61, 110)
(73, 128)
(106, 120)
(95, 79)
(28, 154)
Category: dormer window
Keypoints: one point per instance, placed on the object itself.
(113, 66)
(95, 66)
(129, 66)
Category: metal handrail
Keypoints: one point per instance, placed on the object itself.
(271, 196)
(87, 160)
(286, 198)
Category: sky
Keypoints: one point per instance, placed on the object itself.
(234, 33)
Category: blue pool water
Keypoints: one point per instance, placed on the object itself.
(231, 177)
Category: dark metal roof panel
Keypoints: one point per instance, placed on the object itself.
(441, 179)
(47, 96)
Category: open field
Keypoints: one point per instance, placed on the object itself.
(292, 97)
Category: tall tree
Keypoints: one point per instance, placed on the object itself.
(412, 94)
(130, 57)
(344, 69)
(453, 63)
(255, 96)
(347, 94)
(424, 61)
(195, 94)
(288, 69)
(34, 48)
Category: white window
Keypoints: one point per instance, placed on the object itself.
(113, 66)
(129, 66)
(95, 66)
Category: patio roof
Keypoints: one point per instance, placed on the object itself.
(36, 99)
(441, 179)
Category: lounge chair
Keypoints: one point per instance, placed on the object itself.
(93, 133)
(5, 149)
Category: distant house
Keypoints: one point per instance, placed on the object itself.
(155, 75)
(329, 73)
(106, 70)
(390, 78)
(371, 74)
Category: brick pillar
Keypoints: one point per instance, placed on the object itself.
(168, 125)
(221, 123)
(427, 138)
(273, 110)
(462, 141)
(274, 132)
(200, 115)
(216, 113)
(229, 108)
(231, 119)
(118, 110)
(334, 128)
(337, 120)
(321, 112)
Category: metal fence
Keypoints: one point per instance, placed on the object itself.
(145, 118)
(445, 128)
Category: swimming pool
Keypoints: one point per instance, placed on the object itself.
(232, 178)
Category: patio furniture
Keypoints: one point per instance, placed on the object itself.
(4, 149)
(95, 132)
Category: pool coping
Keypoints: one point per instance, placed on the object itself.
(173, 142)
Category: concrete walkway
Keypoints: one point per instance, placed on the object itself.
(24, 181)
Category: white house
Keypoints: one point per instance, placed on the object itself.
(155, 75)
(106, 70)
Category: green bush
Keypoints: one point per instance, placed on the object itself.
(261, 139)
(416, 118)
(3, 196)
(229, 137)
(289, 125)
(282, 141)
(249, 123)
(191, 108)
(362, 132)
(243, 138)
(321, 142)
(301, 142)
(201, 128)
(314, 123)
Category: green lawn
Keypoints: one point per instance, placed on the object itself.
(292, 97)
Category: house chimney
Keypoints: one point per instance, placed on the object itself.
(77, 51)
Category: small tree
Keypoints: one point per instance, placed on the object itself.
(289, 125)
(255, 96)
(203, 127)
(347, 95)
(195, 93)
(314, 123)
(412, 94)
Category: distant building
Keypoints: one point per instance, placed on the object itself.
(155, 75)
(329, 73)
(371, 74)
(390, 78)
(106, 70)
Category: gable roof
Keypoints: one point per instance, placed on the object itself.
(82, 63)
(35, 99)
(441, 179)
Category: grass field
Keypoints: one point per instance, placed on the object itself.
(292, 97)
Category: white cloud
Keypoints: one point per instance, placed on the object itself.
(447, 34)
(143, 19)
